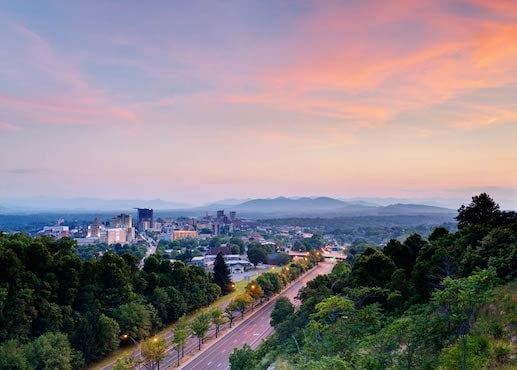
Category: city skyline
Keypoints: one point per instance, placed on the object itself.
(195, 102)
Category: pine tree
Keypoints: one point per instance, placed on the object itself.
(221, 275)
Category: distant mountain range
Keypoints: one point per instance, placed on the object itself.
(26, 205)
(323, 207)
(271, 207)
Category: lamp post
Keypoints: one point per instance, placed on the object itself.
(126, 336)
(252, 296)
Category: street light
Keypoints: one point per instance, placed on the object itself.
(126, 336)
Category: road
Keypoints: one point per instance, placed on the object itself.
(151, 248)
(252, 331)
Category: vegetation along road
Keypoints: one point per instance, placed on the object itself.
(252, 331)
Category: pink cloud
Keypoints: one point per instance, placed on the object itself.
(73, 101)
(59, 111)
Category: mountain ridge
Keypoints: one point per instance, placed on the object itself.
(283, 206)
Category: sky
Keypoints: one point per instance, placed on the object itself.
(195, 101)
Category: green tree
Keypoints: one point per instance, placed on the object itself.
(408, 341)
(474, 354)
(215, 242)
(161, 302)
(12, 356)
(332, 309)
(222, 275)
(51, 351)
(499, 248)
(239, 242)
(433, 264)
(230, 311)
(107, 335)
(200, 326)
(217, 318)
(438, 233)
(257, 255)
(400, 255)
(283, 310)
(414, 243)
(242, 358)
(460, 298)
(153, 351)
(177, 306)
(481, 211)
(235, 249)
(114, 280)
(266, 285)
(328, 363)
(134, 319)
(241, 302)
(126, 363)
(372, 268)
(181, 332)
(255, 291)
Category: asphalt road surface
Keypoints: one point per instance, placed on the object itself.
(252, 331)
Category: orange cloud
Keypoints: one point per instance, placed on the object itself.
(374, 84)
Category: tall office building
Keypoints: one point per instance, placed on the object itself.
(145, 218)
(122, 220)
(95, 229)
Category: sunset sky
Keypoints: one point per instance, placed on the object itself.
(196, 101)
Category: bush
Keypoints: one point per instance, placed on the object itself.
(477, 356)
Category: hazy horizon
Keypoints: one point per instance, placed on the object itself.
(449, 199)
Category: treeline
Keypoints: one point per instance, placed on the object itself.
(60, 311)
(315, 242)
(444, 302)
(374, 229)
(88, 251)
(185, 249)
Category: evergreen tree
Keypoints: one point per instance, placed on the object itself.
(482, 210)
(222, 274)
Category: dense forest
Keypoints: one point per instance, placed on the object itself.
(58, 310)
(448, 302)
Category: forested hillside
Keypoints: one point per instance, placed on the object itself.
(58, 311)
(447, 302)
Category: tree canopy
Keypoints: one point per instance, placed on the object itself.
(46, 287)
